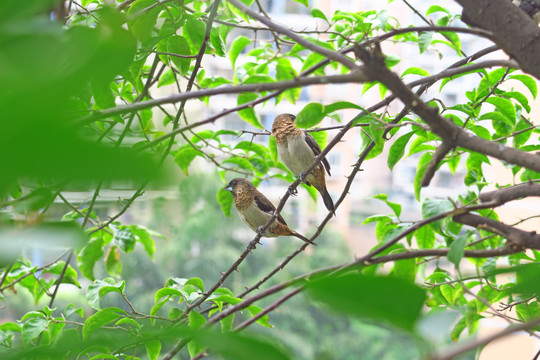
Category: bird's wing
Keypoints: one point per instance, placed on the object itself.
(310, 140)
(266, 206)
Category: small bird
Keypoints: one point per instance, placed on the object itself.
(255, 210)
(297, 149)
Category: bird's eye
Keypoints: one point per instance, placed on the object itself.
(292, 117)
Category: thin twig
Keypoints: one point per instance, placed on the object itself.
(60, 278)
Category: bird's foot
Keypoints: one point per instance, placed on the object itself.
(293, 192)
(302, 178)
(260, 230)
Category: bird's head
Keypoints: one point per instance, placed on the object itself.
(239, 185)
(282, 121)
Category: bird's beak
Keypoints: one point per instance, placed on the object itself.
(228, 188)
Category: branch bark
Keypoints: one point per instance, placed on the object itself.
(519, 238)
(514, 31)
(447, 130)
(507, 194)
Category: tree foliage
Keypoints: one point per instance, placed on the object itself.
(79, 112)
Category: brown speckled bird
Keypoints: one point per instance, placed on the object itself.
(255, 210)
(297, 149)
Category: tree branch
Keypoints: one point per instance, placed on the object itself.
(447, 130)
(520, 35)
(461, 349)
(519, 238)
(333, 55)
(510, 193)
(282, 85)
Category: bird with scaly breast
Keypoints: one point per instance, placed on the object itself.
(256, 210)
(297, 149)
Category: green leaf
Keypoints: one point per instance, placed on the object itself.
(456, 251)
(303, 2)
(272, 146)
(217, 42)
(397, 150)
(70, 275)
(142, 22)
(100, 319)
(195, 30)
(458, 329)
(125, 239)
(241, 162)
(258, 79)
(248, 146)
(340, 105)
(72, 309)
(522, 99)
(321, 137)
(240, 12)
(528, 312)
(167, 78)
(100, 288)
(33, 328)
(528, 81)
(370, 297)
(394, 206)
(311, 60)
(404, 269)
(239, 346)
(316, 13)
(263, 320)
(179, 45)
(166, 291)
(248, 114)
(505, 106)
(153, 348)
(376, 218)
(225, 200)
(375, 131)
(432, 207)
(227, 323)
(184, 156)
(196, 282)
(420, 170)
(424, 40)
(416, 71)
(236, 47)
(37, 199)
(425, 237)
(103, 94)
(284, 72)
(436, 8)
(145, 237)
(89, 255)
(113, 265)
(196, 321)
(311, 115)
(529, 175)
(455, 41)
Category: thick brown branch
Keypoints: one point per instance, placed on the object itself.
(447, 130)
(514, 31)
(519, 238)
(438, 156)
(507, 194)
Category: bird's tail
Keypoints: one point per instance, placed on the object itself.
(302, 237)
(327, 199)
